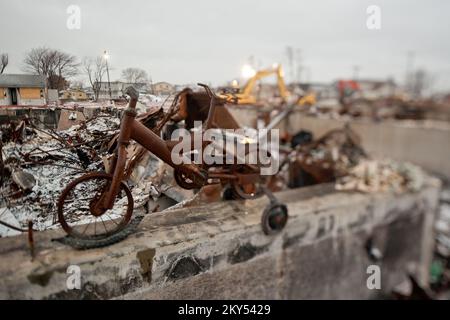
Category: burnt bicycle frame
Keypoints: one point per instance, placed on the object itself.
(131, 129)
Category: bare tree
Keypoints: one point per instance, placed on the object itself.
(56, 65)
(95, 69)
(3, 62)
(134, 75)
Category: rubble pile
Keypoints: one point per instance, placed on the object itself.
(329, 157)
(339, 157)
(382, 176)
(382, 109)
(440, 268)
(37, 164)
(443, 225)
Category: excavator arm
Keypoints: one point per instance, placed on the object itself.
(245, 95)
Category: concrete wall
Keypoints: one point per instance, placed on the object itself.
(426, 143)
(219, 251)
(46, 117)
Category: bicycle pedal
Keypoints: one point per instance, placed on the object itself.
(202, 177)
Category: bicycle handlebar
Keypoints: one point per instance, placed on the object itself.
(132, 92)
(208, 90)
(212, 105)
(134, 95)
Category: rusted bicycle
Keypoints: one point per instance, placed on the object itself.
(97, 205)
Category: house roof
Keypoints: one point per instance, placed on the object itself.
(22, 80)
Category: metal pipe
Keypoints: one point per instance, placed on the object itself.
(278, 118)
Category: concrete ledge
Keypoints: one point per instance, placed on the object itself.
(219, 251)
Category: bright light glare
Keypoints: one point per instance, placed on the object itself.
(106, 55)
(247, 71)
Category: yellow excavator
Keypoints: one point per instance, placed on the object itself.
(246, 96)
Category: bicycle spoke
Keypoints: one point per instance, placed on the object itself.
(111, 219)
(85, 229)
(104, 225)
(3, 212)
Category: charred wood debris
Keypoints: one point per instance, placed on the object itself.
(36, 163)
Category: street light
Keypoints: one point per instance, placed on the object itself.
(106, 57)
(247, 71)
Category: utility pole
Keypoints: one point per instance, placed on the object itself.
(290, 58)
(106, 56)
(409, 70)
(356, 72)
(298, 59)
(308, 74)
(152, 91)
(251, 61)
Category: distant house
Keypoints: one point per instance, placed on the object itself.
(163, 88)
(118, 89)
(142, 87)
(22, 90)
(74, 95)
(374, 89)
(90, 93)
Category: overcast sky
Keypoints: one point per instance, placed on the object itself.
(192, 41)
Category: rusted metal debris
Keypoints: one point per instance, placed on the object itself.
(35, 162)
(29, 232)
(38, 164)
(324, 159)
(31, 238)
(327, 159)
(383, 108)
(339, 157)
(372, 176)
(110, 202)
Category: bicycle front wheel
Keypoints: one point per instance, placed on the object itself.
(76, 203)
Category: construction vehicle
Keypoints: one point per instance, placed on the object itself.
(347, 90)
(246, 96)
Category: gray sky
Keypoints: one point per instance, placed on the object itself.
(199, 40)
